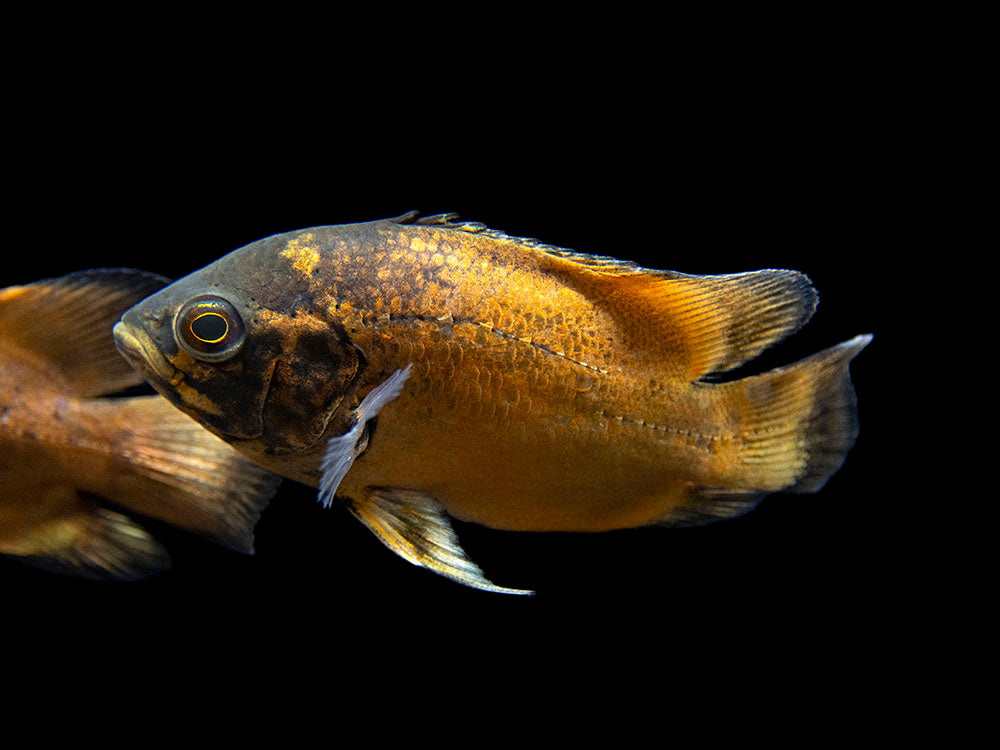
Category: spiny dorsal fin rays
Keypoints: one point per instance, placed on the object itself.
(452, 221)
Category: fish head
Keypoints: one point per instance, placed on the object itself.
(245, 354)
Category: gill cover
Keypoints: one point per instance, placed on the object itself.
(315, 369)
(258, 370)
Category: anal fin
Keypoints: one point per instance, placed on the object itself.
(410, 523)
(414, 526)
(701, 505)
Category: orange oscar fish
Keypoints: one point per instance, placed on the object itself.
(65, 452)
(421, 369)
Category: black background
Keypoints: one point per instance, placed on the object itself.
(800, 173)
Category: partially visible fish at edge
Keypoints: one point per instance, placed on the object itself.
(422, 369)
(77, 469)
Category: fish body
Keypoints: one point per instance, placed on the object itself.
(533, 388)
(76, 468)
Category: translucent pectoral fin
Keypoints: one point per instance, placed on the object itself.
(415, 527)
(342, 450)
(410, 523)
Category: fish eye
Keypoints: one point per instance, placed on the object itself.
(208, 328)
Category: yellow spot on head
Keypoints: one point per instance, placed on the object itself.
(304, 256)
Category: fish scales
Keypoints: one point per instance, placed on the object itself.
(541, 344)
(515, 385)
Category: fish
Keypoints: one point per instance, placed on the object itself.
(82, 462)
(424, 369)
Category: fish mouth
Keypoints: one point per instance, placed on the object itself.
(142, 354)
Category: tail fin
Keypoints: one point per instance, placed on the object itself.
(799, 421)
(172, 469)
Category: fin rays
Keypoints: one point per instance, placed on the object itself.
(342, 450)
(68, 321)
(417, 529)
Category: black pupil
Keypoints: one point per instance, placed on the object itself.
(209, 327)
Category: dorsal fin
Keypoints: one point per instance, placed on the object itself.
(452, 221)
(696, 325)
(68, 321)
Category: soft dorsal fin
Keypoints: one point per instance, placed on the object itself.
(710, 324)
(693, 325)
(68, 321)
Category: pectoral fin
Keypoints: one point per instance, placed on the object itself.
(416, 528)
(410, 523)
(342, 450)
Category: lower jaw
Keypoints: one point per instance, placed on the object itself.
(136, 348)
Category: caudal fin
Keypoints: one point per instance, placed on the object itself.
(798, 422)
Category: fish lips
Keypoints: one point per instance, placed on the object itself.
(140, 352)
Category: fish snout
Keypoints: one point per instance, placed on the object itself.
(141, 353)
